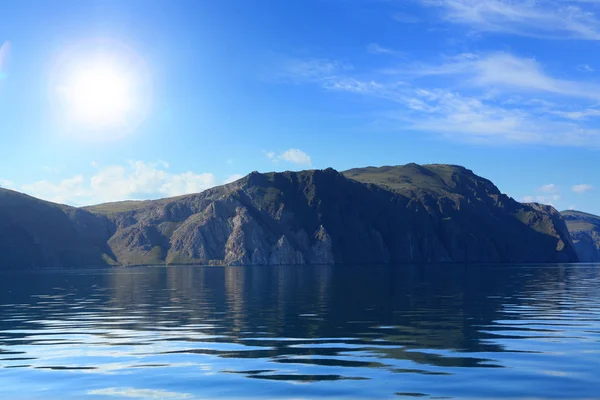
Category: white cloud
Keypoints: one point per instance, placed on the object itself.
(60, 192)
(233, 178)
(549, 188)
(295, 156)
(136, 180)
(551, 195)
(578, 115)
(550, 199)
(558, 19)
(582, 188)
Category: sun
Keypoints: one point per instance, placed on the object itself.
(98, 96)
(99, 90)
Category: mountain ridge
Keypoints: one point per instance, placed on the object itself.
(392, 214)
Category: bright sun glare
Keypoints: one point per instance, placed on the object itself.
(99, 90)
(98, 96)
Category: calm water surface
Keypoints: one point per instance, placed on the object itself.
(302, 332)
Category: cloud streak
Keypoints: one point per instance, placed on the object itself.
(550, 19)
(507, 72)
(485, 98)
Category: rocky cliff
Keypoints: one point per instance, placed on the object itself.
(435, 213)
(585, 232)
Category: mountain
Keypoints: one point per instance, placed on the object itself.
(39, 234)
(472, 219)
(585, 232)
(411, 213)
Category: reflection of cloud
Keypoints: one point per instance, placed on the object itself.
(133, 393)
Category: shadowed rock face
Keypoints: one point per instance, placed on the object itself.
(585, 232)
(471, 218)
(412, 213)
(38, 234)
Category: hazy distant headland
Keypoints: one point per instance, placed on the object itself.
(394, 214)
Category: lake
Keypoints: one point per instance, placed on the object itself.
(447, 331)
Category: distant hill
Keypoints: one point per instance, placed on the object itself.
(585, 232)
(402, 214)
(39, 234)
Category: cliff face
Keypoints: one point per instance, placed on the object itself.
(388, 215)
(585, 232)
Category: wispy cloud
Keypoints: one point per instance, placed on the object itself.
(406, 18)
(555, 19)
(485, 98)
(312, 69)
(582, 188)
(294, 156)
(505, 71)
(136, 180)
(376, 48)
(586, 68)
(549, 188)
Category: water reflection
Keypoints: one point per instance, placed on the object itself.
(363, 332)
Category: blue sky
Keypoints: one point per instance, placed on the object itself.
(509, 89)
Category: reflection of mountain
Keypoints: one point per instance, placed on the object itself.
(296, 323)
(390, 312)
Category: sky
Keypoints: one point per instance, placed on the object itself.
(141, 99)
